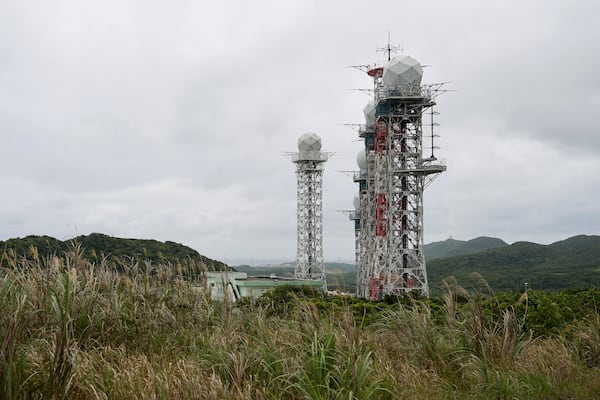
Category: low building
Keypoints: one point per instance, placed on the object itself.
(235, 285)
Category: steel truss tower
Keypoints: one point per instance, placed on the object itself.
(309, 171)
(393, 176)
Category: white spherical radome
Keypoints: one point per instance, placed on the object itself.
(361, 160)
(369, 112)
(402, 70)
(309, 142)
(356, 202)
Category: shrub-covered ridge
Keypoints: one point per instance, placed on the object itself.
(71, 328)
(97, 246)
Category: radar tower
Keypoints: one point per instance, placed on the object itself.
(309, 162)
(393, 175)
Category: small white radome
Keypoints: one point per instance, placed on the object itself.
(309, 141)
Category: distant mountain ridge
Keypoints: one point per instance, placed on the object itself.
(569, 263)
(452, 247)
(97, 246)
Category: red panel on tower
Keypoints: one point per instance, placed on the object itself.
(380, 217)
(380, 137)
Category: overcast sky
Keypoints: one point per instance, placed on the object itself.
(168, 120)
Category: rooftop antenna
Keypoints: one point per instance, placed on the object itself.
(389, 49)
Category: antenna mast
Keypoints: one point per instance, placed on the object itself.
(389, 49)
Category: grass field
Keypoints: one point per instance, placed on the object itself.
(72, 329)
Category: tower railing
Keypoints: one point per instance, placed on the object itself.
(310, 156)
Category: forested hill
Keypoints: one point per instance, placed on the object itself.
(574, 262)
(452, 247)
(96, 246)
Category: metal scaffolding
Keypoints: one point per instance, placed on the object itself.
(389, 216)
(309, 171)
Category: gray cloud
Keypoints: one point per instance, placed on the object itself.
(142, 119)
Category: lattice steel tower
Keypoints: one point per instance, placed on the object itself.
(309, 171)
(393, 174)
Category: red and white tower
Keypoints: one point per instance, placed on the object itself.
(393, 175)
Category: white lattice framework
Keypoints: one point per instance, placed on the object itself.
(364, 218)
(309, 172)
(390, 257)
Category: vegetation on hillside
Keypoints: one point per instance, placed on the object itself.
(452, 247)
(71, 328)
(571, 263)
(97, 246)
